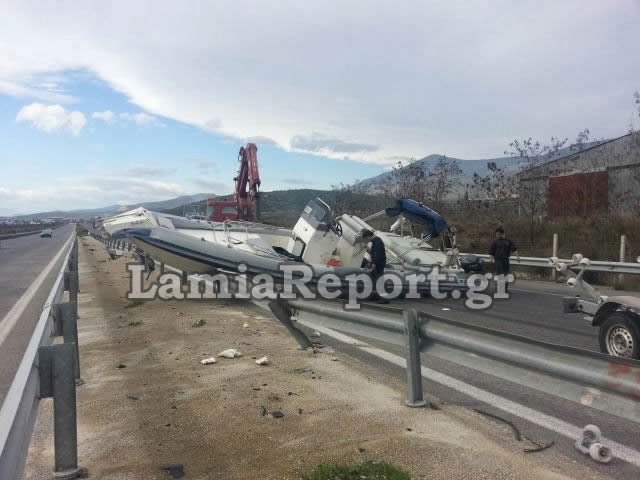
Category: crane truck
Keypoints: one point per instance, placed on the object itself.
(244, 205)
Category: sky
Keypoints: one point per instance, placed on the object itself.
(121, 102)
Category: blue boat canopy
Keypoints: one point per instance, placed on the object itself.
(416, 212)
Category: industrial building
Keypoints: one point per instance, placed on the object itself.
(602, 179)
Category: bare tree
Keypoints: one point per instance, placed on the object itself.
(490, 195)
(532, 190)
(406, 181)
(636, 100)
(441, 180)
(342, 200)
(427, 185)
(581, 140)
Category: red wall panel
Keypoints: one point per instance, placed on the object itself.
(581, 194)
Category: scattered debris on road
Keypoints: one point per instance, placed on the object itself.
(539, 447)
(208, 361)
(303, 370)
(516, 432)
(589, 444)
(175, 470)
(262, 361)
(230, 353)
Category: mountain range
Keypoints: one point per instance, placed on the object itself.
(470, 167)
(112, 209)
(369, 185)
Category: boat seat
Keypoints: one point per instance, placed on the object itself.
(286, 253)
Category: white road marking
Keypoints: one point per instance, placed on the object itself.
(11, 318)
(566, 429)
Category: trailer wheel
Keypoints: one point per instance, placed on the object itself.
(620, 335)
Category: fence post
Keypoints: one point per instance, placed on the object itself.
(554, 254)
(623, 252)
(56, 380)
(414, 367)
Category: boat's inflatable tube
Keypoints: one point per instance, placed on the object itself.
(197, 255)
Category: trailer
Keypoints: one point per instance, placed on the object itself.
(617, 317)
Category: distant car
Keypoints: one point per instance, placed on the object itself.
(47, 232)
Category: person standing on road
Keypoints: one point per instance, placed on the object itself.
(378, 259)
(500, 250)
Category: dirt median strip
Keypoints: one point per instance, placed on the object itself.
(149, 404)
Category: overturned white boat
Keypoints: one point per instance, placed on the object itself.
(136, 218)
(319, 241)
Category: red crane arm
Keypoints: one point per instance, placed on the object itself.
(247, 181)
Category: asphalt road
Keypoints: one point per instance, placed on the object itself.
(534, 310)
(22, 260)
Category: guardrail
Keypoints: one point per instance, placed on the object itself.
(596, 265)
(46, 371)
(557, 370)
(114, 247)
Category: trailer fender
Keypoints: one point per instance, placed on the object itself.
(613, 304)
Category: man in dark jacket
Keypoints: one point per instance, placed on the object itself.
(500, 250)
(378, 259)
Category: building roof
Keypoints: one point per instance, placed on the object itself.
(528, 170)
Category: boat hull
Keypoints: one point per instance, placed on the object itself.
(193, 255)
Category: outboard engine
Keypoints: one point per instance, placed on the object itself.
(315, 235)
(471, 264)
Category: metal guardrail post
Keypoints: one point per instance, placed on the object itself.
(414, 366)
(66, 325)
(71, 281)
(162, 268)
(73, 287)
(554, 253)
(56, 380)
(623, 251)
(282, 311)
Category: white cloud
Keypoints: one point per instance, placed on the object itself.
(142, 119)
(149, 171)
(318, 143)
(15, 89)
(260, 140)
(87, 191)
(107, 116)
(430, 77)
(50, 118)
